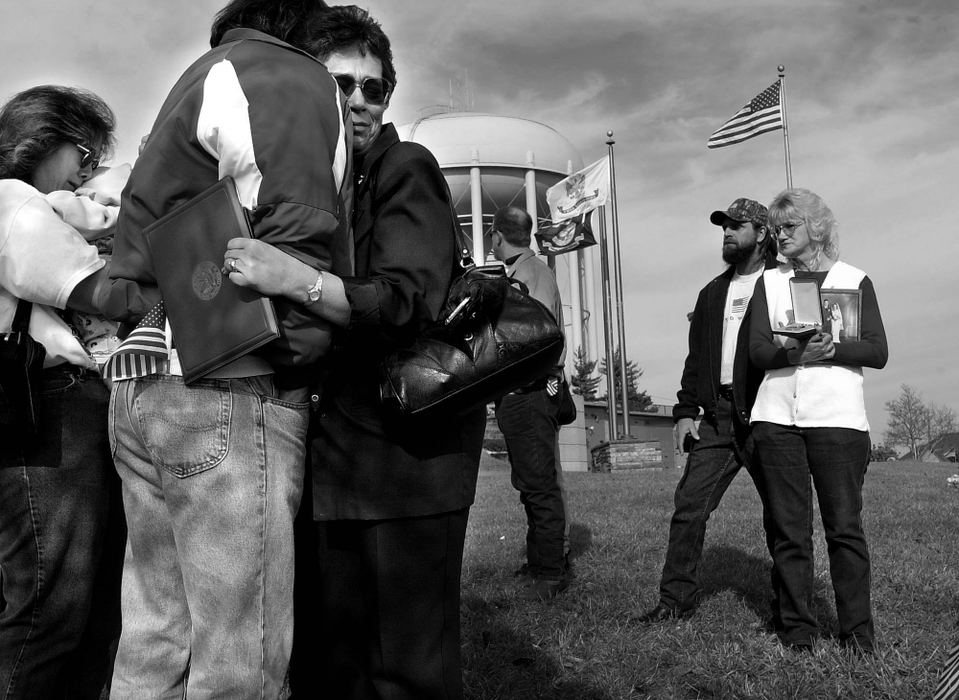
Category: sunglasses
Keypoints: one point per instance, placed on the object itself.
(376, 91)
(87, 157)
(789, 227)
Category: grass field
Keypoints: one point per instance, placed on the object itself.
(585, 645)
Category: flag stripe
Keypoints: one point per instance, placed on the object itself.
(948, 686)
(745, 131)
(762, 114)
(767, 116)
(144, 351)
(744, 136)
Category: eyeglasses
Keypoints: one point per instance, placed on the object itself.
(789, 227)
(376, 91)
(88, 157)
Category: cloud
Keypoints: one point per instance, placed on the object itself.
(872, 94)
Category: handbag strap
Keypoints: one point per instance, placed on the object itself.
(21, 319)
(465, 256)
(459, 237)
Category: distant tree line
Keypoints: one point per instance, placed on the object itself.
(586, 382)
(914, 423)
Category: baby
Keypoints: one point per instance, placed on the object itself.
(92, 210)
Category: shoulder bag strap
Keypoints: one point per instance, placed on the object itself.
(21, 319)
(459, 238)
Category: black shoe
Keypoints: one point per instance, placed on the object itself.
(543, 589)
(523, 572)
(663, 613)
(800, 645)
(857, 647)
(774, 625)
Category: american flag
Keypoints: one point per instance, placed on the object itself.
(739, 304)
(144, 351)
(763, 113)
(948, 686)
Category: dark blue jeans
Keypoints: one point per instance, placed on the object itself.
(712, 464)
(61, 547)
(529, 427)
(836, 459)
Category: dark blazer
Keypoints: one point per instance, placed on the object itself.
(367, 465)
(700, 382)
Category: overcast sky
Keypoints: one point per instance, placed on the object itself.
(872, 95)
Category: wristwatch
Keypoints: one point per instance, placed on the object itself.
(314, 293)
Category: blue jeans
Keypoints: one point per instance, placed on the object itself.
(713, 462)
(528, 423)
(212, 478)
(61, 543)
(836, 459)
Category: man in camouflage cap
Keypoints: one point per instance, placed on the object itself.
(718, 379)
(741, 211)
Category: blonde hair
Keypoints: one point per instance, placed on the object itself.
(798, 203)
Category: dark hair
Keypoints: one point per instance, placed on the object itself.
(770, 246)
(515, 224)
(39, 120)
(292, 21)
(346, 27)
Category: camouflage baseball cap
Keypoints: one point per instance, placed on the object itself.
(741, 210)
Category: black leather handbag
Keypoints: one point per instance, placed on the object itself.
(566, 412)
(491, 339)
(21, 368)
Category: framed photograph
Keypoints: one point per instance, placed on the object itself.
(841, 310)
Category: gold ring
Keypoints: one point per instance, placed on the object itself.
(231, 266)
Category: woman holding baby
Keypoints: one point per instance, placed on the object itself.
(61, 524)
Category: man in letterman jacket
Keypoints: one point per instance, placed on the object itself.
(213, 472)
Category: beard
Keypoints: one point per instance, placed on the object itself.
(735, 253)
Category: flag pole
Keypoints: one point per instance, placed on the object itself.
(611, 414)
(618, 268)
(782, 100)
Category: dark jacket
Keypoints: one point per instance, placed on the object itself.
(700, 382)
(269, 115)
(367, 465)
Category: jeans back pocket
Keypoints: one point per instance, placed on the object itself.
(185, 429)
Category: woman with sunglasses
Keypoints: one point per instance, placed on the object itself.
(380, 615)
(61, 524)
(809, 422)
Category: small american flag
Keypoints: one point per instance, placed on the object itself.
(948, 686)
(739, 305)
(144, 351)
(763, 113)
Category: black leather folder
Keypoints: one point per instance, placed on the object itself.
(214, 321)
